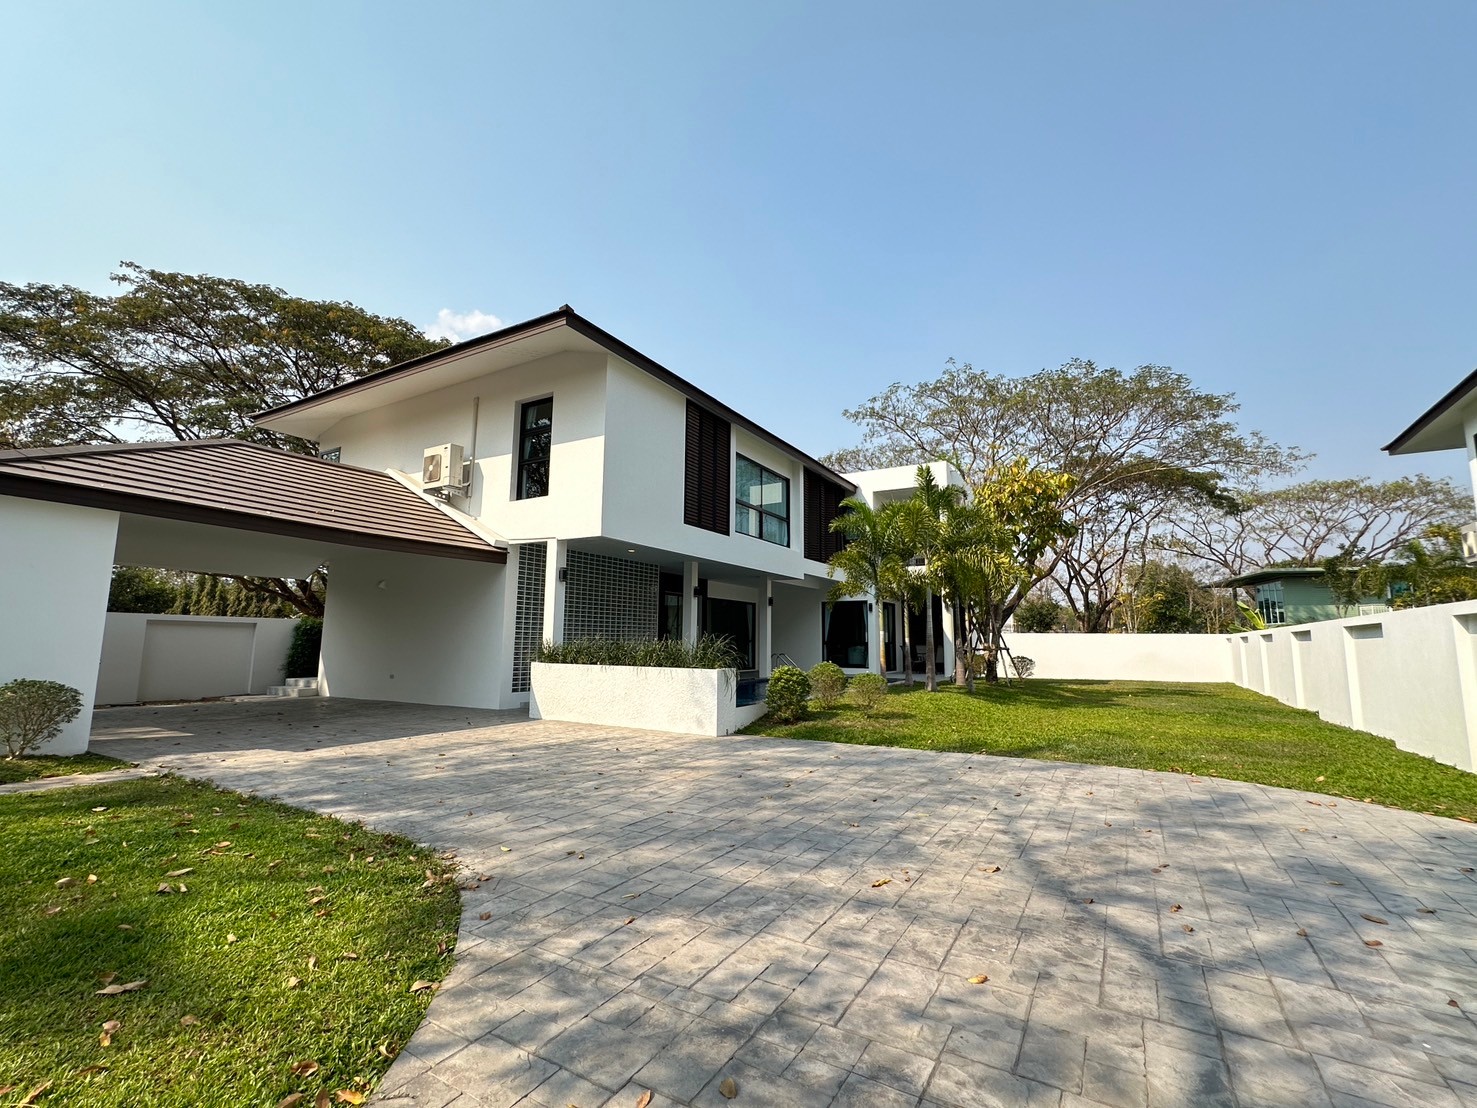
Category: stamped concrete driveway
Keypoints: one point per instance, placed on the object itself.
(806, 918)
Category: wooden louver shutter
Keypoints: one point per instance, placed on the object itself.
(708, 483)
(822, 504)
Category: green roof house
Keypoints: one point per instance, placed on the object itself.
(1297, 594)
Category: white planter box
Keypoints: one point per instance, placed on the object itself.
(686, 701)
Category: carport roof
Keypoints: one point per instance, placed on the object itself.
(230, 483)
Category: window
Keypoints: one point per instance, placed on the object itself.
(1269, 603)
(734, 620)
(844, 633)
(535, 443)
(762, 498)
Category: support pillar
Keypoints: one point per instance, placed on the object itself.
(765, 652)
(691, 621)
(554, 590)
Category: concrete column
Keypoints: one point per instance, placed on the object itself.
(948, 633)
(765, 629)
(690, 602)
(554, 590)
(54, 597)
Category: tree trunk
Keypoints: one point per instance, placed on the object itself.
(907, 643)
(931, 679)
(961, 647)
(881, 638)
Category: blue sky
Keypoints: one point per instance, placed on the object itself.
(795, 205)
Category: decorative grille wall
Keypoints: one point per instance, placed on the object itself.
(528, 621)
(610, 598)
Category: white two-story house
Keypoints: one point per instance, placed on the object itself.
(545, 482)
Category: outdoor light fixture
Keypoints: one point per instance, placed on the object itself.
(564, 573)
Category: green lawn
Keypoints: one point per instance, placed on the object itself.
(31, 767)
(1210, 730)
(289, 939)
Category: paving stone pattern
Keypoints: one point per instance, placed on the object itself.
(672, 911)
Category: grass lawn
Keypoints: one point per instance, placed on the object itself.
(31, 767)
(289, 940)
(1210, 730)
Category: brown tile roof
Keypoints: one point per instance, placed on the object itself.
(230, 483)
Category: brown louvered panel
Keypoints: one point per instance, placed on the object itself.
(822, 504)
(707, 489)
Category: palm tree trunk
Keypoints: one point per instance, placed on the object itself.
(961, 646)
(881, 637)
(907, 642)
(931, 680)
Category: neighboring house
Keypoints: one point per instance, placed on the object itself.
(1297, 594)
(1449, 424)
(543, 482)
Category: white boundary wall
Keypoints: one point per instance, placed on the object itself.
(156, 657)
(685, 701)
(1125, 657)
(1410, 675)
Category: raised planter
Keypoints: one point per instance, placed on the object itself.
(685, 701)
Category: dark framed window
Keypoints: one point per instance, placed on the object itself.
(844, 633)
(761, 502)
(535, 443)
(734, 620)
(1269, 603)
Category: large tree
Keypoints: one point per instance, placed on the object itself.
(180, 356)
(176, 356)
(1139, 446)
(1307, 523)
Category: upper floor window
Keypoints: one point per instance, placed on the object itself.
(762, 499)
(1269, 603)
(535, 443)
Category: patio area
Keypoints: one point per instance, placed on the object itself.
(805, 918)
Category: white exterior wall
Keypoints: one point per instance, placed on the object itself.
(141, 652)
(797, 624)
(684, 701)
(1125, 657)
(56, 563)
(418, 629)
(645, 468)
(396, 437)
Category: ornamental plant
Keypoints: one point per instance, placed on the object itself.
(789, 690)
(34, 711)
(869, 689)
(827, 683)
(1024, 666)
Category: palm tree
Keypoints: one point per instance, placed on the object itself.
(869, 561)
(922, 525)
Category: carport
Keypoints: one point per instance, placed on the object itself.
(417, 595)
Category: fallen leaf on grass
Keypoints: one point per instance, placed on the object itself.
(100, 808)
(222, 846)
(106, 1038)
(644, 1099)
(107, 978)
(322, 1100)
(51, 911)
(306, 1068)
(349, 956)
(114, 990)
(385, 1051)
(92, 879)
(39, 1089)
(1373, 919)
(313, 902)
(728, 1087)
(230, 938)
(125, 927)
(979, 979)
(882, 881)
(349, 1096)
(66, 882)
(188, 1021)
(294, 982)
(291, 1100)
(422, 986)
(180, 872)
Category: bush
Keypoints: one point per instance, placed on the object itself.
(870, 689)
(789, 689)
(302, 654)
(709, 652)
(827, 683)
(32, 711)
(1037, 614)
(1024, 666)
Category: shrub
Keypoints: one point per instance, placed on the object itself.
(789, 689)
(32, 711)
(1024, 666)
(709, 652)
(827, 683)
(870, 689)
(302, 654)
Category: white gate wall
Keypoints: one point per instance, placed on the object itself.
(151, 657)
(1125, 657)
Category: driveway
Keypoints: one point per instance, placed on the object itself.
(810, 920)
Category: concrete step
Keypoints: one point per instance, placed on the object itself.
(292, 690)
(302, 682)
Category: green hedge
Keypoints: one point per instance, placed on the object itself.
(709, 652)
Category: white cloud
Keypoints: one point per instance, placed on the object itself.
(459, 326)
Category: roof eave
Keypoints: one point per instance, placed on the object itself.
(1431, 431)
